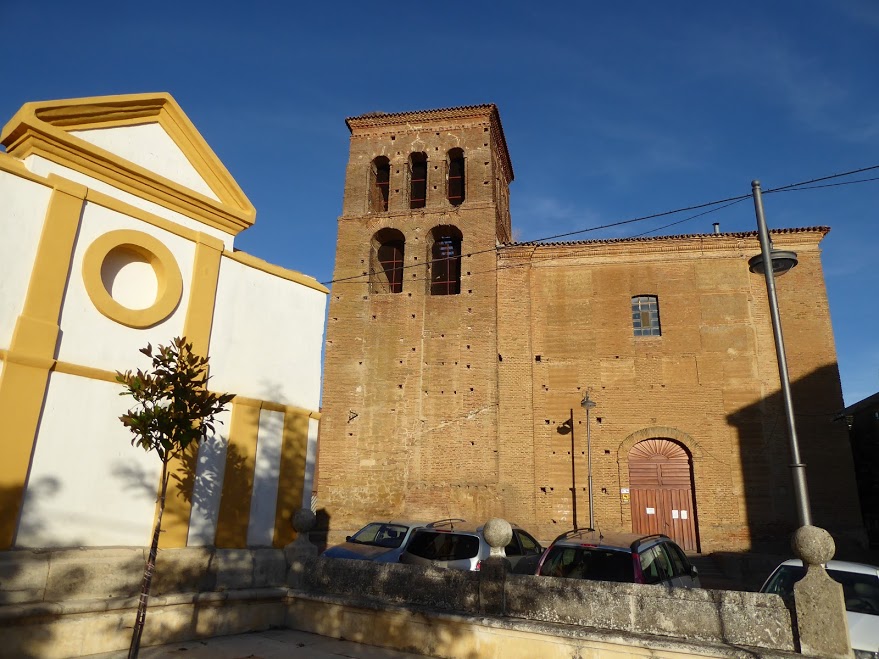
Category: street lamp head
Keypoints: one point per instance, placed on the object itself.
(586, 403)
(782, 261)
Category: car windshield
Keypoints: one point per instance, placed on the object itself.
(861, 591)
(381, 535)
(440, 546)
(595, 563)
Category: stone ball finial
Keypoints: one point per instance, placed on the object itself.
(813, 545)
(303, 520)
(497, 532)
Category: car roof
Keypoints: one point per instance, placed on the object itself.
(458, 525)
(599, 539)
(398, 522)
(841, 566)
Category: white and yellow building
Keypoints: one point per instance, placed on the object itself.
(117, 224)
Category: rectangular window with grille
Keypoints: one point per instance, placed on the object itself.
(645, 315)
(446, 266)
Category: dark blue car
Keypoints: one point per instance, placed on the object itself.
(382, 542)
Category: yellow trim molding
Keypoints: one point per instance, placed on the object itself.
(196, 329)
(291, 476)
(234, 514)
(43, 128)
(159, 257)
(25, 375)
(278, 271)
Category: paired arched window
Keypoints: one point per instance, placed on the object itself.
(417, 180)
(380, 183)
(456, 187)
(445, 263)
(386, 267)
(645, 315)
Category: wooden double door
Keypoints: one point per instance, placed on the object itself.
(661, 491)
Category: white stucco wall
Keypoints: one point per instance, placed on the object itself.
(89, 337)
(266, 339)
(23, 206)
(149, 146)
(208, 486)
(264, 499)
(42, 167)
(87, 486)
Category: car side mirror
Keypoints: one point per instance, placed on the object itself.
(347, 538)
(693, 571)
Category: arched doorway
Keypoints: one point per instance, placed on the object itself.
(661, 487)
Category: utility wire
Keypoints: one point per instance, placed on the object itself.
(526, 263)
(726, 202)
(822, 178)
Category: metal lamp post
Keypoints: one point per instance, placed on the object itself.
(781, 261)
(587, 405)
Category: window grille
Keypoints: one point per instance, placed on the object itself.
(381, 182)
(386, 262)
(645, 315)
(456, 177)
(417, 180)
(390, 258)
(446, 265)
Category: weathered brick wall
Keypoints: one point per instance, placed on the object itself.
(410, 393)
(450, 406)
(710, 380)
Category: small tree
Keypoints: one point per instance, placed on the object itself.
(174, 410)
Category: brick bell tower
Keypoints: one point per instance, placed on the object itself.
(410, 393)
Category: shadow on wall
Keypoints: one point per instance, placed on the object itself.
(320, 533)
(34, 525)
(824, 448)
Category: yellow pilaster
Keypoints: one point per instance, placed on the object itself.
(32, 350)
(291, 475)
(197, 330)
(234, 515)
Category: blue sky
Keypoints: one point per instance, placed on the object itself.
(610, 112)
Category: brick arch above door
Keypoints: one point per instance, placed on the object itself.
(659, 432)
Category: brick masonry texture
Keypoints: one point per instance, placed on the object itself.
(450, 406)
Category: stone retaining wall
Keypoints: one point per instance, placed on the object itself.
(75, 602)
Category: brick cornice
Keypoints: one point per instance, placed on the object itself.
(803, 238)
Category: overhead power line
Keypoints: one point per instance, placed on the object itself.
(721, 203)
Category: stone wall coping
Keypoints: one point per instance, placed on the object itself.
(17, 613)
(646, 641)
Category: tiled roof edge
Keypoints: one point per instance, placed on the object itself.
(712, 236)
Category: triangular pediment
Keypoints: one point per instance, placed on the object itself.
(141, 143)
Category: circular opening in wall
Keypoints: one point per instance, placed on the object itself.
(129, 278)
(132, 278)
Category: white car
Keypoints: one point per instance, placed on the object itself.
(860, 587)
(380, 542)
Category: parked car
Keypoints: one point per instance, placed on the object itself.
(860, 588)
(461, 545)
(621, 557)
(382, 542)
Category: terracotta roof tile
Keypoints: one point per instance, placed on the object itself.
(710, 236)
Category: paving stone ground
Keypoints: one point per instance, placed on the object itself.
(271, 644)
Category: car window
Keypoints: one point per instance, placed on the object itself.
(381, 535)
(594, 563)
(679, 563)
(513, 549)
(529, 544)
(438, 546)
(860, 591)
(655, 565)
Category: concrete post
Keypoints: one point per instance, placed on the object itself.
(300, 550)
(820, 607)
(493, 571)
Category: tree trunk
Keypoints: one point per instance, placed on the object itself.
(139, 621)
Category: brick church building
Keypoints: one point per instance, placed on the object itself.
(457, 360)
